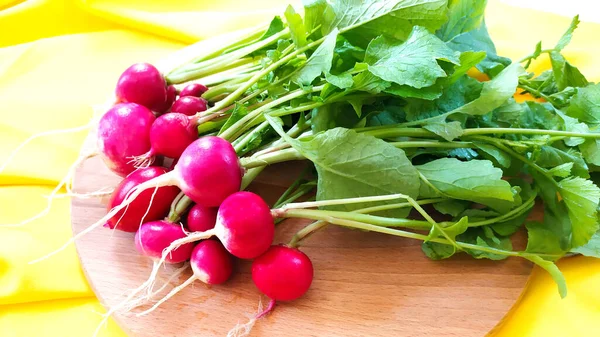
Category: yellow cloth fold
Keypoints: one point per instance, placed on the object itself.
(59, 58)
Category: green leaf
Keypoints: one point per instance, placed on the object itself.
(590, 149)
(275, 27)
(349, 14)
(501, 157)
(468, 60)
(463, 16)
(297, 30)
(542, 240)
(451, 207)
(334, 115)
(412, 63)
(319, 62)
(351, 164)
(438, 251)
(495, 92)
(551, 268)
(573, 125)
(479, 40)
(562, 171)
(314, 13)
(485, 237)
(591, 248)
(448, 131)
(388, 115)
(585, 105)
(476, 180)
(342, 81)
(581, 197)
(566, 38)
(428, 93)
(456, 95)
(368, 82)
(239, 111)
(550, 157)
(565, 75)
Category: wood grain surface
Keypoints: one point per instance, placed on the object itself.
(366, 284)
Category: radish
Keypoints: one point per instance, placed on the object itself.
(148, 206)
(193, 89)
(143, 84)
(171, 97)
(124, 133)
(170, 135)
(244, 226)
(211, 264)
(153, 237)
(189, 105)
(207, 172)
(200, 218)
(282, 273)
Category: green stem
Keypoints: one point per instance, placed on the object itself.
(194, 70)
(537, 93)
(483, 131)
(291, 188)
(306, 232)
(243, 141)
(400, 132)
(366, 218)
(242, 89)
(402, 233)
(433, 143)
(250, 175)
(178, 207)
(232, 131)
(507, 216)
(388, 207)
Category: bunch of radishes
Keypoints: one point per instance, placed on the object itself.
(133, 141)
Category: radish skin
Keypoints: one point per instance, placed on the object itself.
(282, 273)
(124, 133)
(170, 135)
(153, 237)
(193, 89)
(143, 84)
(189, 105)
(200, 218)
(141, 209)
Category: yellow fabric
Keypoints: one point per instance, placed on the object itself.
(58, 58)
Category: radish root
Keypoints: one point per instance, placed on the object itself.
(64, 182)
(142, 161)
(31, 138)
(242, 330)
(169, 295)
(164, 180)
(129, 303)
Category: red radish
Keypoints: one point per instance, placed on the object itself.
(123, 133)
(153, 237)
(171, 97)
(170, 135)
(211, 264)
(193, 89)
(189, 105)
(207, 172)
(142, 83)
(141, 209)
(245, 225)
(282, 273)
(200, 218)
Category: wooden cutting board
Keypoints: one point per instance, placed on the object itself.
(365, 284)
